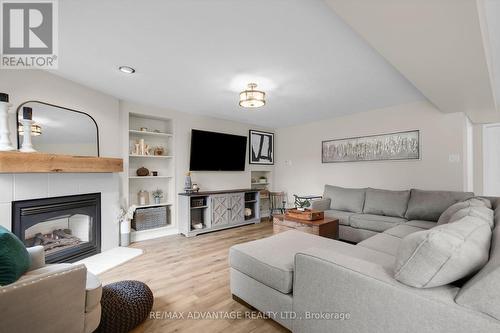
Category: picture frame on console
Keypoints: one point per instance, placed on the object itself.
(261, 147)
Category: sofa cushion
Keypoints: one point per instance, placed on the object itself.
(372, 222)
(271, 260)
(402, 230)
(459, 206)
(343, 216)
(483, 213)
(421, 224)
(429, 205)
(384, 243)
(482, 292)
(347, 199)
(385, 202)
(14, 258)
(443, 254)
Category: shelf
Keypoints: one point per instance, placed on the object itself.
(17, 162)
(150, 133)
(154, 205)
(148, 177)
(199, 207)
(260, 183)
(151, 156)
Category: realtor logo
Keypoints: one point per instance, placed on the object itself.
(29, 34)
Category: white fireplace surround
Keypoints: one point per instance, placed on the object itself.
(15, 187)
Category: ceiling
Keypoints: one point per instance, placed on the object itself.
(196, 55)
(449, 49)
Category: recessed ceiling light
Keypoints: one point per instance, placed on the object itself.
(126, 69)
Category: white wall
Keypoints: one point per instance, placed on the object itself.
(25, 85)
(441, 134)
(491, 153)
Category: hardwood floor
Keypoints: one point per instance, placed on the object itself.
(190, 275)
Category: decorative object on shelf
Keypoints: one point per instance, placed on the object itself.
(143, 197)
(5, 143)
(261, 147)
(195, 188)
(143, 129)
(248, 212)
(144, 149)
(142, 172)
(198, 202)
(150, 218)
(262, 180)
(254, 180)
(159, 151)
(252, 98)
(124, 218)
(301, 203)
(157, 131)
(393, 146)
(198, 226)
(136, 149)
(27, 122)
(187, 183)
(155, 173)
(157, 196)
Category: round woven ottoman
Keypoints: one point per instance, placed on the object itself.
(125, 305)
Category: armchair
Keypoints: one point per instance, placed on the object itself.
(51, 298)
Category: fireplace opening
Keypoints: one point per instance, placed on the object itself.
(68, 228)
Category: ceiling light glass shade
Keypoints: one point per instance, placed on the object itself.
(252, 98)
(36, 130)
(126, 69)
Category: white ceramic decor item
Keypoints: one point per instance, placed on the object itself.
(5, 143)
(27, 146)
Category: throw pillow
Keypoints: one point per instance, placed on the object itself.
(472, 202)
(443, 254)
(14, 258)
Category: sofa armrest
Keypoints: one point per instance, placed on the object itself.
(51, 301)
(353, 295)
(37, 254)
(321, 204)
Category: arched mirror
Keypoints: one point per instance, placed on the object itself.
(60, 130)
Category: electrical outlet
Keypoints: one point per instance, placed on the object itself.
(288, 162)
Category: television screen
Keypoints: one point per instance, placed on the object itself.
(212, 151)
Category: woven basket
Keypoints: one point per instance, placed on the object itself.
(149, 218)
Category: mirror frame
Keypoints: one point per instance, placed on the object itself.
(57, 106)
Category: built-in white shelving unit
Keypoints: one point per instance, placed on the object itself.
(156, 132)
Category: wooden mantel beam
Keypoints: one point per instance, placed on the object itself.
(17, 162)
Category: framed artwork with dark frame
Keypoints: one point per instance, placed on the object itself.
(382, 147)
(261, 147)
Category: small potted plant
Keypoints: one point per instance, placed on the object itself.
(157, 195)
(301, 204)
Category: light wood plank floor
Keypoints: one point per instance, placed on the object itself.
(192, 274)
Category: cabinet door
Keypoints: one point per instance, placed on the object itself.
(220, 210)
(237, 207)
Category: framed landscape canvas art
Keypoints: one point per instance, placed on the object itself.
(261, 147)
(393, 146)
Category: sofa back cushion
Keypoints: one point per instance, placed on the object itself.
(476, 206)
(429, 205)
(14, 258)
(385, 202)
(346, 199)
(444, 254)
(482, 292)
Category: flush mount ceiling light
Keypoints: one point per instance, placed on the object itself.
(252, 98)
(126, 69)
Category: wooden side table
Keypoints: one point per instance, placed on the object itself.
(326, 227)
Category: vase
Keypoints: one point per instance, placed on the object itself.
(125, 232)
(157, 200)
(5, 143)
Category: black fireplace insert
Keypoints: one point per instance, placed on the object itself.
(69, 228)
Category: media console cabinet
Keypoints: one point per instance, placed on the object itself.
(202, 212)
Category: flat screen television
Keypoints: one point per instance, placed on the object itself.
(211, 151)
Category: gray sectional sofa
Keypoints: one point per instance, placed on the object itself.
(314, 284)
